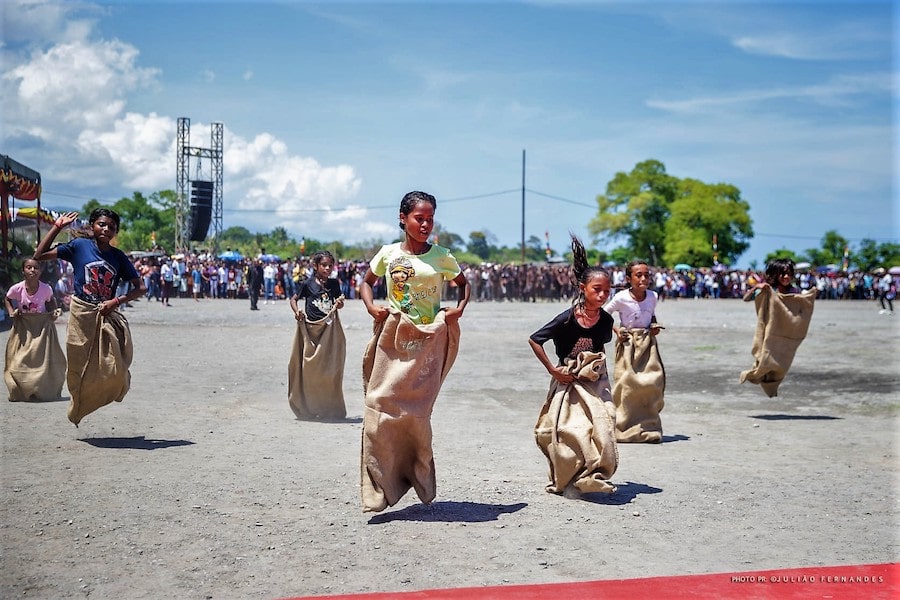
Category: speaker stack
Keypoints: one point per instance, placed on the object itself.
(201, 209)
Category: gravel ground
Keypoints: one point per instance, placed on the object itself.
(201, 484)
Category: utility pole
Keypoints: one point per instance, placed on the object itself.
(523, 206)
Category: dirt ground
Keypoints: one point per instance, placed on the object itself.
(202, 484)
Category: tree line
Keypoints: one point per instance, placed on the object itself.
(648, 212)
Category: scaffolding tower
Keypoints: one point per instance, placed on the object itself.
(183, 153)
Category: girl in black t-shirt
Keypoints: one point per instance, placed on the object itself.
(316, 367)
(576, 426)
(321, 291)
(585, 326)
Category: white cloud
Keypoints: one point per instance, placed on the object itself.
(840, 41)
(68, 101)
(836, 91)
(73, 86)
(142, 147)
(39, 21)
(248, 75)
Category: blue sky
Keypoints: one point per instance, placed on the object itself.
(333, 111)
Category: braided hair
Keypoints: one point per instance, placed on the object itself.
(321, 255)
(582, 270)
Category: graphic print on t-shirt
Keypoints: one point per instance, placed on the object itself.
(99, 278)
(401, 270)
(583, 344)
(323, 302)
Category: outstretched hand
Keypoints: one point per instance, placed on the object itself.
(66, 219)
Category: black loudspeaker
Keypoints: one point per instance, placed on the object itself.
(201, 209)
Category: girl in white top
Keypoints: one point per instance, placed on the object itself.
(639, 388)
(635, 304)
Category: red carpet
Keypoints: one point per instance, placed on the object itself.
(867, 582)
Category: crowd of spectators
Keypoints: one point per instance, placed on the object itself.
(205, 276)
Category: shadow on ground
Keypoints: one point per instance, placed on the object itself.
(450, 512)
(134, 443)
(782, 417)
(625, 493)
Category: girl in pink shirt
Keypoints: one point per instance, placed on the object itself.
(30, 295)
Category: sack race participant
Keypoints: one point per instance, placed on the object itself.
(640, 377)
(35, 363)
(783, 315)
(99, 349)
(404, 367)
(575, 429)
(35, 367)
(640, 385)
(782, 323)
(405, 363)
(316, 367)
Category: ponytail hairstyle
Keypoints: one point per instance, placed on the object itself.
(582, 270)
(409, 201)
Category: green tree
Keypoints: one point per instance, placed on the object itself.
(871, 255)
(889, 253)
(866, 256)
(478, 245)
(831, 251)
(145, 222)
(702, 213)
(781, 253)
(534, 250)
(668, 220)
(447, 239)
(621, 255)
(635, 207)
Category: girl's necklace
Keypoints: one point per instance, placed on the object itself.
(588, 318)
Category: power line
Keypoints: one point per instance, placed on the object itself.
(478, 197)
(566, 200)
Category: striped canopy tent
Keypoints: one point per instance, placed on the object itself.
(42, 215)
(19, 182)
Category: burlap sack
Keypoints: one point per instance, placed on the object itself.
(316, 369)
(35, 363)
(576, 428)
(782, 323)
(639, 388)
(99, 350)
(403, 368)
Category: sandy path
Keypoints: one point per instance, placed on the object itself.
(201, 484)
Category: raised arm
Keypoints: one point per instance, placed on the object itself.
(43, 251)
